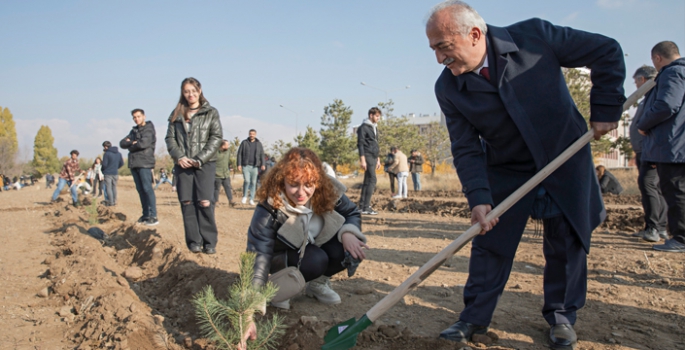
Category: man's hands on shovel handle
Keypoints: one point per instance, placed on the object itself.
(478, 214)
(602, 128)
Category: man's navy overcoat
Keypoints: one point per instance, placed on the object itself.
(527, 117)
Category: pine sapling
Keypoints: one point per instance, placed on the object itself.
(225, 321)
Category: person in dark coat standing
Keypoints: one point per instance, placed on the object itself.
(367, 145)
(250, 161)
(513, 76)
(416, 168)
(663, 125)
(112, 161)
(608, 183)
(140, 143)
(653, 202)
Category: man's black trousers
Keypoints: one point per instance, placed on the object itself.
(653, 202)
(564, 277)
(369, 185)
(672, 181)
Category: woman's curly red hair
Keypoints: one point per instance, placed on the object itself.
(299, 165)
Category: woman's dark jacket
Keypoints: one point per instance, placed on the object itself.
(203, 139)
(609, 183)
(142, 153)
(264, 240)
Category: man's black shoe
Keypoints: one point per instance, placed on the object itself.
(462, 331)
(195, 249)
(210, 251)
(562, 337)
(142, 219)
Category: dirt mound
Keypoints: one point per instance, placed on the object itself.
(624, 219)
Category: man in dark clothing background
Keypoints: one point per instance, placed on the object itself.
(223, 173)
(140, 144)
(111, 162)
(416, 168)
(250, 160)
(663, 124)
(653, 202)
(367, 145)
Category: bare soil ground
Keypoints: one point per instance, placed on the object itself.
(63, 289)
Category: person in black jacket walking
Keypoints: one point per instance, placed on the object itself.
(140, 144)
(367, 144)
(111, 162)
(193, 138)
(250, 161)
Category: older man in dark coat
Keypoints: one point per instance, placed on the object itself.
(504, 85)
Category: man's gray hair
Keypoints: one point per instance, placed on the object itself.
(465, 17)
(647, 72)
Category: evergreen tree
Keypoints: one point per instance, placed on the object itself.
(400, 133)
(279, 148)
(310, 140)
(337, 145)
(44, 152)
(224, 321)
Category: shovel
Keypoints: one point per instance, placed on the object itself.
(344, 335)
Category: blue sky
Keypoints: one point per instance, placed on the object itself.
(81, 66)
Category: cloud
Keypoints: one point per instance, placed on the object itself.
(87, 136)
(614, 4)
(570, 18)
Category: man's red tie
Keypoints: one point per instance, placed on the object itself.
(485, 72)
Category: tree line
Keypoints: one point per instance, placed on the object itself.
(333, 141)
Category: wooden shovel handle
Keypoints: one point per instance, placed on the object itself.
(433, 264)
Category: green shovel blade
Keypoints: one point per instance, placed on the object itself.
(344, 335)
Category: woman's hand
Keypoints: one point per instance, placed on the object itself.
(250, 334)
(185, 163)
(354, 246)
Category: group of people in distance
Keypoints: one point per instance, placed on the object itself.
(510, 74)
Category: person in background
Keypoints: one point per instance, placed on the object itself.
(223, 173)
(401, 168)
(140, 143)
(367, 145)
(70, 170)
(250, 160)
(163, 177)
(663, 125)
(49, 180)
(98, 178)
(416, 168)
(653, 202)
(607, 181)
(193, 138)
(112, 161)
(389, 161)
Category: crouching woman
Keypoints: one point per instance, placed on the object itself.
(315, 213)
